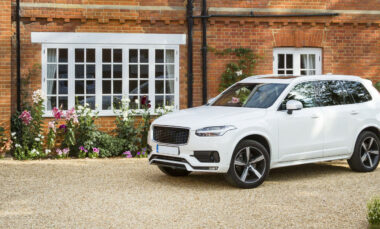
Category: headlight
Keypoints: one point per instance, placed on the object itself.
(212, 131)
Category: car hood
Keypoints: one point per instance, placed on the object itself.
(204, 116)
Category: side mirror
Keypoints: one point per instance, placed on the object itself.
(293, 105)
(211, 100)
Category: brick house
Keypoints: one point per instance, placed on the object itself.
(98, 51)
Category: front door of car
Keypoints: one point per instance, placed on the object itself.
(300, 134)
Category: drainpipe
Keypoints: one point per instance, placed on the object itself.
(18, 55)
(204, 52)
(190, 23)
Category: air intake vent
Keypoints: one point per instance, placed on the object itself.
(170, 135)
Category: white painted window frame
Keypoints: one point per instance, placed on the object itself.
(297, 52)
(98, 41)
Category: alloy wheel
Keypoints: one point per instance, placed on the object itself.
(369, 152)
(249, 164)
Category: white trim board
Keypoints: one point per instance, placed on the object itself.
(108, 38)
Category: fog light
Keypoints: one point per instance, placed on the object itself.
(207, 156)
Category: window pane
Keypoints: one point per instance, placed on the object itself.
(62, 71)
(79, 71)
(169, 71)
(144, 71)
(117, 71)
(106, 103)
(62, 87)
(281, 72)
(289, 72)
(311, 72)
(106, 71)
(170, 56)
(91, 101)
(62, 102)
(51, 87)
(117, 56)
(90, 71)
(311, 61)
(281, 61)
(144, 56)
(159, 101)
(116, 102)
(303, 61)
(169, 100)
(330, 93)
(133, 105)
(144, 86)
(106, 55)
(62, 55)
(303, 92)
(117, 87)
(79, 87)
(51, 102)
(106, 86)
(159, 71)
(170, 86)
(289, 60)
(90, 87)
(79, 55)
(357, 91)
(304, 73)
(79, 100)
(159, 86)
(133, 88)
(51, 71)
(52, 55)
(133, 55)
(159, 56)
(132, 71)
(90, 56)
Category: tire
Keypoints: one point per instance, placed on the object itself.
(248, 171)
(174, 172)
(366, 153)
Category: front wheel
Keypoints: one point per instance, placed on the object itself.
(250, 164)
(174, 172)
(366, 153)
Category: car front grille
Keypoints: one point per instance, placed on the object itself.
(170, 135)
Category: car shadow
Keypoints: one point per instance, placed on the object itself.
(291, 173)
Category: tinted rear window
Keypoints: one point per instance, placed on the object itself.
(358, 92)
(332, 93)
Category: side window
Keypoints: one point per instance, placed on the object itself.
(358, 92)
(303, 92)
(332, 93)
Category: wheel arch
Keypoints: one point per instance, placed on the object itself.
(372, 128)
(259, 138)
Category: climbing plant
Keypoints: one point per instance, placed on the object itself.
(239, 69)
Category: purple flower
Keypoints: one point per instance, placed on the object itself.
(57, 113)
(138, 153)
(95, 150)
(143, 153)
(65, 151)
(63, 126)
(81, 148)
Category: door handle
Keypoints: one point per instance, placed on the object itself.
(314, 116)
(354, 112)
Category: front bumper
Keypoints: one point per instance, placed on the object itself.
(186, 159)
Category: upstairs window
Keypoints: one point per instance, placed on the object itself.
(297, 61)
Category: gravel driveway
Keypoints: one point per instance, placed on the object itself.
(121, 193)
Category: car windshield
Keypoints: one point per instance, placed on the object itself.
(254, 95)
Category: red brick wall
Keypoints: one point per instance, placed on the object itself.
(5, 62)
(350, 42)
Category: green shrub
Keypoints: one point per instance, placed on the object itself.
(374, 211)
(109, 146)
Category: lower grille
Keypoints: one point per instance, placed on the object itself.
(170, 135)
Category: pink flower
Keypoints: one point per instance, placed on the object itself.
(127, 154)
(57, 113)
(95, 150)
(51, 125)
(83, 149)
(65, 151)
(25, 117)
(235, 100)
(59, 152)
(71, 115)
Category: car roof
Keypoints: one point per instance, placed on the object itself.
(290, 78)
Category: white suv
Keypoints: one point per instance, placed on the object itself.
(265, 122)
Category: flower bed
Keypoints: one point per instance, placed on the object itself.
(73, 133)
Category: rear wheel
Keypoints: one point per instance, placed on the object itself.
(249, 164)
(366, 153)
(174, 172)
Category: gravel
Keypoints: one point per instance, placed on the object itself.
(120, 193)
